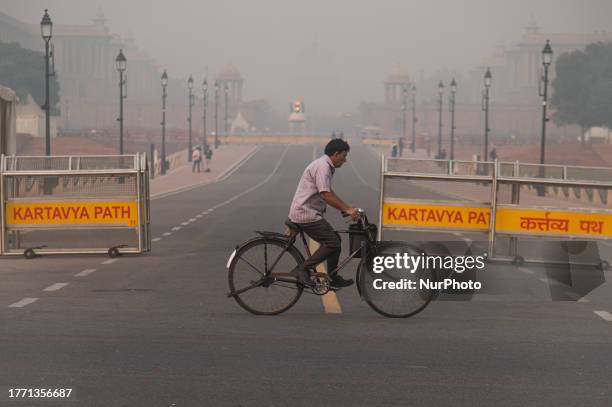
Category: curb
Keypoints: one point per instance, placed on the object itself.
(225, 174)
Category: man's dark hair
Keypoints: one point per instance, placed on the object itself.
(336, 146)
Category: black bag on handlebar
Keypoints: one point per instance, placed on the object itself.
(358, 235)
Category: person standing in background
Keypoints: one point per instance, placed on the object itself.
(196, 157)
(207, 156)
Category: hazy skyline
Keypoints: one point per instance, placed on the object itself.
(332, 54)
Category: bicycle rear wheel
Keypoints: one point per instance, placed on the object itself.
(395, 302)
(248, 276)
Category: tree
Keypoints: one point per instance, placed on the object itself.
(582, 89)
(23, 71)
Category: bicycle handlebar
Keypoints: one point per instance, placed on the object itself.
(360, 211)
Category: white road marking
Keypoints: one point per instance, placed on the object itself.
(526, 270)
(240, 164)
(85, 272)
(109, 261)
(156, 239)
(56, 287)
(23, 303)
(192, 220)
(185, 223)
(199, 215)
(604, 315)
(254, 187)
(329, 300)
(221, 177)
(366, 183)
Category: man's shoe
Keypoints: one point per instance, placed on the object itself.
(302, 275)
(337, 281)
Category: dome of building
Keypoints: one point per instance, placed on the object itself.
(230, 72)
(398, 75)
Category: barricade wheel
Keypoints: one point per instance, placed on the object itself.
(518, 261)
(113, 252)
(29, 254)
(603, 265)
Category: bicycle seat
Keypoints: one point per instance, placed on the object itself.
(293, 226)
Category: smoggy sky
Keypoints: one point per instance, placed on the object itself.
(330, 53)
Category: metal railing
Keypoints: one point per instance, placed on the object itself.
(520, 200)
(74, 204)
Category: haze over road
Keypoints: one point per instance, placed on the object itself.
(158, 330)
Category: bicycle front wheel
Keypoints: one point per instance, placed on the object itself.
(395, 292)
(249, 277)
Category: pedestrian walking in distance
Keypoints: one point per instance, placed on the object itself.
(207, 155)
(196, 157)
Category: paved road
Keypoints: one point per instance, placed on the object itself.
(157, 330)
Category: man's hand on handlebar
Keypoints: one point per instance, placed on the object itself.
(354, 213)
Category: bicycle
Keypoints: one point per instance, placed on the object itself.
(260, 290)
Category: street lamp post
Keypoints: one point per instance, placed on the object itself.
(121, 65)
(46, 30)
(404, 106)
(414, 119)
(190, 101)
(225, 116)
(453, 89)
(546, 61)
(216, 114)
(440, 94)
(164, 83)
(485, 108)
(205, 103)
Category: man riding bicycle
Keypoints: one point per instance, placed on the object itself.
(311, 198)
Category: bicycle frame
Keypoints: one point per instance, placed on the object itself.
(291, 239)
(345, 261)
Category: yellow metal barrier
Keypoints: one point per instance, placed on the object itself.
(523, 201)
(74, 204)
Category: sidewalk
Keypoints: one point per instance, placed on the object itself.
(224, 160)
